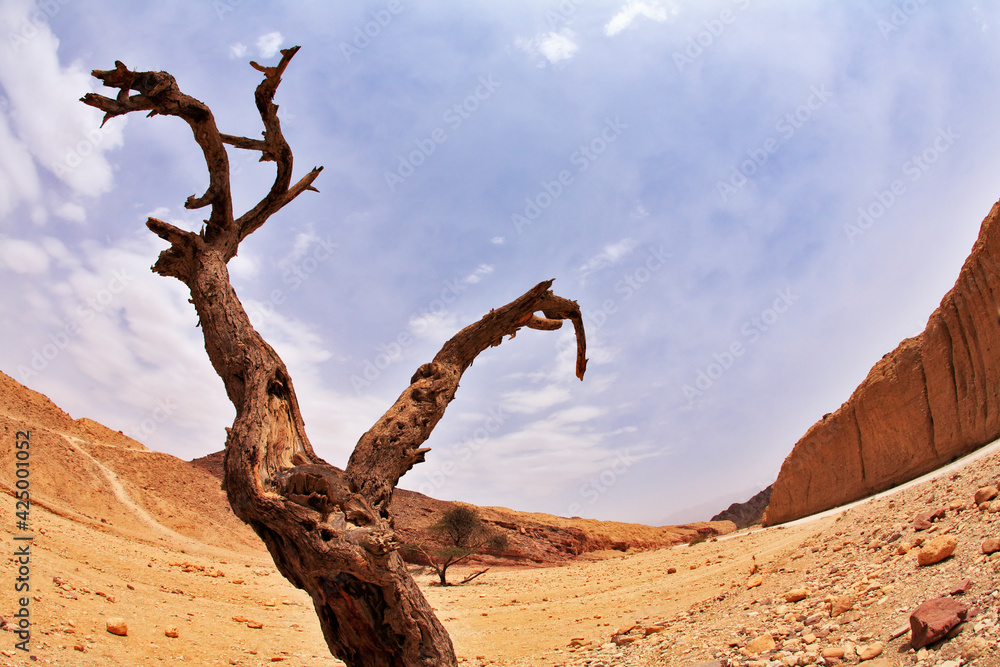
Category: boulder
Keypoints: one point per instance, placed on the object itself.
(921, 406)
(934, 619)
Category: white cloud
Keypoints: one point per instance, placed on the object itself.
(245, 266)
(627, 15)
(435, 327)
(18, 177)
(23, 256)
(558, 46)
(531, 401)
(45, 115)
(609, 255)
(477, 275)
(72, 212)
(237, 50)
(555, 47)
(269, 44)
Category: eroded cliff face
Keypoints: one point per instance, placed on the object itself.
(934, 398)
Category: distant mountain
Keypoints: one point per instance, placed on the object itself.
(88, 473)
(746, 514)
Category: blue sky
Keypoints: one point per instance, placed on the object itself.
(751, 201)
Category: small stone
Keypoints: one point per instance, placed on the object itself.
(841, 605)
(924, 520)
(117, 626)
(985, 494)
(836, 652)
(991, 545)
(937, 550)
(975, 648)
(755, 581)
(934, 619)
(760, 645)
(256, 625)
(961, 588)
(871, 651)
(172, 632)
(796, 595)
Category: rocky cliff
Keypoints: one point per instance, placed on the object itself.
(931, 400)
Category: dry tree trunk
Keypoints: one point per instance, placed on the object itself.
(328, 530)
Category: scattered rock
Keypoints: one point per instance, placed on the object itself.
(961, 588)
(835, 652)
(924, 520)
(871, 651)
(975, 648)
(991, 545)
(761, 644)
(937, 550)
(172, 632)
(755, 581)
(796, 595)
(117, 626)
(985, 494)
(934, 619)
(841, 605)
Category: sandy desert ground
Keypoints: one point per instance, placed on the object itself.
(679, 606)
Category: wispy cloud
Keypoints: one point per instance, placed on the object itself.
(609, 255)
(42, 123)
(269, 44)
(633, 10)
(555, 47)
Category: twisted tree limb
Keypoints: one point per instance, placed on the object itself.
(328, 530)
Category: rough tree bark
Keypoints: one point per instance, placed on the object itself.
(328, 530)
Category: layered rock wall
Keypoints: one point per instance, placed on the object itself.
(934, 398)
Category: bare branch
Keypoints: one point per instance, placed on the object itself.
(158, 93)
(391, 447)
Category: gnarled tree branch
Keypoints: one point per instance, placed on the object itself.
(328, 530)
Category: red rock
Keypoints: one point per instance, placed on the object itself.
(924, 520)
(934, 619)
(991, 545)
(920, 406)
(961, 588)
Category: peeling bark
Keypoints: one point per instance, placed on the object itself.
(328, 530)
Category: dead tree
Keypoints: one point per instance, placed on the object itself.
(328, 530)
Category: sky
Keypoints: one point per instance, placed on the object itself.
(751, 201)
